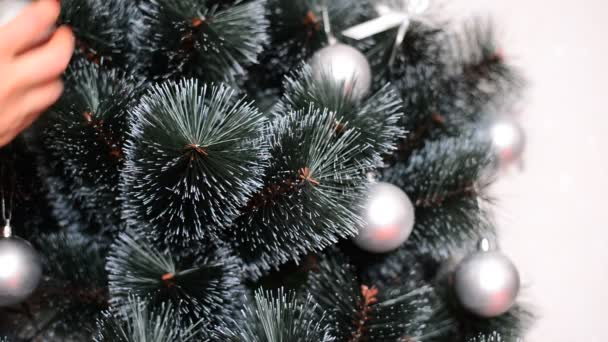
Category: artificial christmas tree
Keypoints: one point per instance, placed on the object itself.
(206, 176)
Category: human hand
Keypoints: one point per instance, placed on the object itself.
(30, 78)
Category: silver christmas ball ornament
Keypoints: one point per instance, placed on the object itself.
(20, 270)
(343, 65)
(9, 9)
(509, 140)
(389, 219)
(487, 283)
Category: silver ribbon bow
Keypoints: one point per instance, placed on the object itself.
(393, 14)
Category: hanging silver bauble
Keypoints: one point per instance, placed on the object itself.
(509, 140)
(9, 9)
(343, 65)
(487, 283)
(389, 219)
(20, 270)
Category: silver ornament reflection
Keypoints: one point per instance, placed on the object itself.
(487, 283)
(389, 216)
(9, 9)
(20, 270)
(509, 140)
(343, 64)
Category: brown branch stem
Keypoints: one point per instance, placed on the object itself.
(469, 190)
(416, 138)
(273, 191)
(363, 315)
(104, 136)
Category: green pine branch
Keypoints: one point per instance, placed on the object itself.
(297, 31)
(202, 285)
(278, 318)
(101, 28)
(194, 156)
(377, 118)
(509, 327)
(416, 72)
(136, 322)
(493, 337)
(480, 78)
(198, 38)
(84, 135)
(75, 289)
(367, 312)
(446, 180)
(313, 187)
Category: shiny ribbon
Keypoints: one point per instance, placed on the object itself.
(393, 14)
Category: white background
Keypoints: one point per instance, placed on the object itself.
(554, 215)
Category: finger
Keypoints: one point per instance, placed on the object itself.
(37, 100)
(5, 139)
(28, 120)
(48, 61)
(32, 23)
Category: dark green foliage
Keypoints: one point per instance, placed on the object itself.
(457, 223)
(493, 337)
(23, 190)
(443, 167)
(194, 156)
(199, 38)
(84, 136)
(278, 318)
(203, 286)
(417, 70)
(203, 190)
(101, 28)
(313, 187)
(445, 180)
(509, 327)
(366, 312)
(65, 206)
(479, 77)
(448, 81)
(71, 295)
(297, 32)
(377, 118)
(399, 268)
(136, 322)
(76, 285)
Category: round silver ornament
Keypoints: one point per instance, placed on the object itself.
(389, 219)
(20, 270)
(343, 65)
(487, 283)
(9, 9)
(509, 140)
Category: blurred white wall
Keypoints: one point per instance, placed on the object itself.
(554, 216)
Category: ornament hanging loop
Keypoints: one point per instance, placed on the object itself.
(7, 231)
(331, 38)
(484, 245)
(7, 211)
(399, 40)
